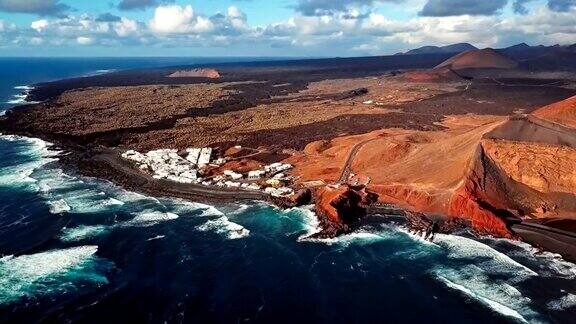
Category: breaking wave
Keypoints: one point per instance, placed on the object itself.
(491, 296)
(82, 232)
(151, 217)
(224, 226)
(51, 272)
(21, 97)
(464, 248)
(24, 87)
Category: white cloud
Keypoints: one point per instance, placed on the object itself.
(82, 40)
(172, 19)
(39, 25)
(544, 25)
(348, 32)
(126, 27)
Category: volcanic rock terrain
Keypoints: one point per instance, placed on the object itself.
(407, 130)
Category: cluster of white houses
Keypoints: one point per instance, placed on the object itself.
(169, 165)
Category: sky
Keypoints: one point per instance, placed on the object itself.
(302, 28)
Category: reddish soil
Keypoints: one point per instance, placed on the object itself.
(479, 59)
(435, 75)
(563, 112)
(196, 73)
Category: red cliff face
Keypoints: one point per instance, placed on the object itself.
(484, 197)
(465, 205)
(339, 207)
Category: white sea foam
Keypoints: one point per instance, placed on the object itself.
(464, 248)
(568, 301)
(58, 206)
(30, 275)
(82, 232)
(210, 211)
(24, 87)
(240, 210)
(551, 264)
(151, 217)
(356, 238)
(183, 207)
(157, 237)
(99, 72)
(307, 217)
(418, 238)
(224, 226)
(477, 291)
(39, 155)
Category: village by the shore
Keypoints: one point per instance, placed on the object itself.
(198, 165)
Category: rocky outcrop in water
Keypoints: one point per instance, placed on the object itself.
(340, 207)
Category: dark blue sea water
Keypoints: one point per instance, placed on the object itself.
(82, 249)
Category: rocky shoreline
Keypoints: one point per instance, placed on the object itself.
(306, 111)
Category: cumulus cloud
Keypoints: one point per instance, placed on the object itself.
(39, 25)
(39, 7)
(140, 4)
(175, 19)
(350, 31)
(446, 8)
(88, 30)
(543, 25)
(126, 27)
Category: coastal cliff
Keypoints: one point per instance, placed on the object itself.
(339, 208)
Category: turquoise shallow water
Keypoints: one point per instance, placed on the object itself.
(81, 249)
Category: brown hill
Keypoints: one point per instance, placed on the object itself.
(563, 112)
(436, 75)
(196, 73)
(479, 59)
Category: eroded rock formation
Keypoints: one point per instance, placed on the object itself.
(339, 208)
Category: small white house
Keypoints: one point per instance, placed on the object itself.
(205, 156)
(277, 167)
(193, 155)
(255, 175)
(231, 184)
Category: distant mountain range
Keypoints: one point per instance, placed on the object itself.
(518, 52)
(454, 48)
(539, 57)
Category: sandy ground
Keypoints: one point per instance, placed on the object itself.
(404, 166)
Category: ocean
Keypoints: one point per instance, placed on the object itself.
(74, 248)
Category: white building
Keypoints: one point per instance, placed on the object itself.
(193, 155)
(253, 186)
(278, 192)
(277, 167)
(190, 174)
(205, 155)
(255, 175)
(231, 184)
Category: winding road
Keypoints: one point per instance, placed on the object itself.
(345, 173)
